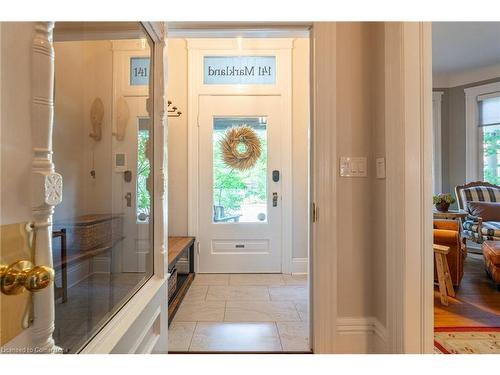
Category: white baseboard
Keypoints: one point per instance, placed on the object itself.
(76, 273)
(361, 335)
(101, 264)
(300, 266)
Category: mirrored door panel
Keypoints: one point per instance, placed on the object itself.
(102, 141)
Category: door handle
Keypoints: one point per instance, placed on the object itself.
(21, 275)
(128, 198)
(275, 199)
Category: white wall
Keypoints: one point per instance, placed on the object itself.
(177, 139)
(83, 71)
(300, 147)
(15, 166)
(15, 133)
(177, 143)
(360, 209)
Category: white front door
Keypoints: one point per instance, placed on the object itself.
(240, 211)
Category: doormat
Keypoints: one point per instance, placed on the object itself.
(467, 340)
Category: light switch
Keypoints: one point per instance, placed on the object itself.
(380, 166)
(352, 166)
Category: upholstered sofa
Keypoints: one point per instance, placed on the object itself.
(447, 233)
(474, 198)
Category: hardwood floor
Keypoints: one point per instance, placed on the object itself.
(477, 302)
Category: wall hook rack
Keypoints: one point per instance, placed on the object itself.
(173, 112)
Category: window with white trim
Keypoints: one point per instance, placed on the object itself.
(489, 137)
(482, 127)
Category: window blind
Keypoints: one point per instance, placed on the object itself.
(489, 109)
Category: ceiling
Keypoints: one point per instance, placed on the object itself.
(462, 46)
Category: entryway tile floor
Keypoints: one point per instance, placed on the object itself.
(243, 313)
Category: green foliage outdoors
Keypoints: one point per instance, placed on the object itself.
(491, 145)
(233, 187)
(143, 170)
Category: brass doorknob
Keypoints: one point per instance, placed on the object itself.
(21, 275)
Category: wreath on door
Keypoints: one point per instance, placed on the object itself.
(240, 147)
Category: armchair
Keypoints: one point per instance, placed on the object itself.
(475, 228)
(447, 233)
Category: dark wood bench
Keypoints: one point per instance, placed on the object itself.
(178, 247)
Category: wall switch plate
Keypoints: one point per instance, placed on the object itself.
(380, 166)
(353, 166)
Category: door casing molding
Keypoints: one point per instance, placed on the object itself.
(282, 48)
(408, 108)
(323, 239)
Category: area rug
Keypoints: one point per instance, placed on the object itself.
(467, 340)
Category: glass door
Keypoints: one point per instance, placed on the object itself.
(102, 140)
(240, 184)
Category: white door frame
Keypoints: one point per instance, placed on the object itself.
(141, 325)
(282, 48)
(323, 246)
(408, 108)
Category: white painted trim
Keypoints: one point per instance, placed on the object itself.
(473, 161)
(408, 90)
(101, 264)
(361, 335)
(455, 79)
(368, 324)
(235, 33)
(323, 190)
(437, 151)
(300, 266)
(114, 337)
(282, 48)
(250, 44)
(76, 273)
(46, 184)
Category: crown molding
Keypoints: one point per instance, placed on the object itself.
(454, 79)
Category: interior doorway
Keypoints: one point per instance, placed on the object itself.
(242, 192)
(466, 176)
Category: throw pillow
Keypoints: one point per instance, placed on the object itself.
(488, 211)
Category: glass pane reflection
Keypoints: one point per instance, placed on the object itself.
(102, 240)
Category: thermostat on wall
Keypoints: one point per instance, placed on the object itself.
(120, 162)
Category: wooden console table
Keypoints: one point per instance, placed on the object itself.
(179, 247)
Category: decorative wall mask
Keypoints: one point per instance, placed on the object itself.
(96, 117)
(122, 116)
(240, 147)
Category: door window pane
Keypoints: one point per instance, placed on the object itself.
(239, 195)
(239, 70)
(491, 153)
(143, 171)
